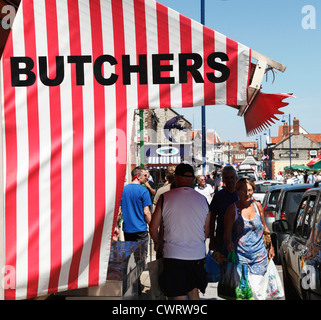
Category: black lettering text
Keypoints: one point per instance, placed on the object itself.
(158, 68)
(192, 68)
(225, 71)
(43, 73)
(98, 70)
(141, 69)
(79, 61)
(17, 70)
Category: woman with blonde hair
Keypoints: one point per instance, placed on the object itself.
(244, 228)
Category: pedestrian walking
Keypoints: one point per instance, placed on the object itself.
(168, 185)
(279, 177)
(293, 179)
(185, 215)
(209, 180)
(217, 180)
(311, 178)
(203, 188)
(134, 208)
(305, 176)
(244, 229)
(221, 201)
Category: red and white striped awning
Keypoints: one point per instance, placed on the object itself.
(72, 74)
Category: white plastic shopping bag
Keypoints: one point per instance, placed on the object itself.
(273, 288)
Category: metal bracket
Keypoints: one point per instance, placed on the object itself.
(256, 83)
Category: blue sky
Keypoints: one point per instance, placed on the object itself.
(274, 28)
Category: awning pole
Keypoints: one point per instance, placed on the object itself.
(141, 143)
(2, 222)
(203, 107)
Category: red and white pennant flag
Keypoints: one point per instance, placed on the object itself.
(72, 73)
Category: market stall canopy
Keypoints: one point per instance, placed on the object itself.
(259, 110)
(72, 74)
(297, 167)
(315, 163)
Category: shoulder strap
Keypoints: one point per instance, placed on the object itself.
(258, 210)
(237, 211)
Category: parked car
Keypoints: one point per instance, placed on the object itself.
(286, 207)
(262, 187)
(249, 174)
(300, 252)
(269, 203)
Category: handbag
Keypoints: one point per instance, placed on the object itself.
(273, 288)
(266, 232)
(267, 238)
(229, 279)
(155, 269)
(212, 268)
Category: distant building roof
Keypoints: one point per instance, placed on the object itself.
(212, 136)
(284, 130)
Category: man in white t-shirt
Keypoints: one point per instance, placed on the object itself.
(311, 178)
(186, 219)
(205, 189)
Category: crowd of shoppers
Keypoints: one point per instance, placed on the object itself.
(183, 216)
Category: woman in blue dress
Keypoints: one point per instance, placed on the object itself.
(244, 225)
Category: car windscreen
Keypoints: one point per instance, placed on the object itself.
(263, 187)
(246, 175)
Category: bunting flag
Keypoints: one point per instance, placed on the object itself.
(72, 74)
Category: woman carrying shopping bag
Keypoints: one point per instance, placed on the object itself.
(244, 226)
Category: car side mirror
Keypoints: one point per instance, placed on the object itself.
(281, 226)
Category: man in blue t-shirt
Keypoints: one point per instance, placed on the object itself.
(134, 208)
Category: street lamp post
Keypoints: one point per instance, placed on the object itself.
(269, 152)
(290, 156)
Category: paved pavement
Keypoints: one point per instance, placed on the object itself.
(210, 293)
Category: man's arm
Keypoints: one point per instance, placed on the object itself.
(229, 219)
(116, 229)
(147, 214)
(155, 223)
(207, 224)
(212, 223)
(149, 187)
(119, 215)
(212, 227)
